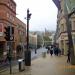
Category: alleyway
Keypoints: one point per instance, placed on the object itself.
(46, 66)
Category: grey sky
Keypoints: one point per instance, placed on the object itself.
(44, 13)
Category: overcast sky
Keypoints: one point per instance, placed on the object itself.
(44, 14)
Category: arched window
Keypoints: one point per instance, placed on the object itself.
(73, 26)
(62, 27)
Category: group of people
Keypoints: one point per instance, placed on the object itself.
(54, 50)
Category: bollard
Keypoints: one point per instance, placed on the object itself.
(44, 54)
(21, 65)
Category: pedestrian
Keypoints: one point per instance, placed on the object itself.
(55, 50)
(48, 49)
(51, 51)
(68, 56)
(35, 51)
(59, 51)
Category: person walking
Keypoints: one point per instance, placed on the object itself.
(55, 50)
(35, 51)
(51, 51)
(68, 56)
(59, 52)
(48, 49)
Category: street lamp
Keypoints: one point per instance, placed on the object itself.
(28, 52)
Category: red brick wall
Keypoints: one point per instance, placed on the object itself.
(8, 17)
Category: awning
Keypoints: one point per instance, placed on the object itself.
(57, 3)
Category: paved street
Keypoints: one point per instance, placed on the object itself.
(38, 52)
(33, 56)
(45, 66)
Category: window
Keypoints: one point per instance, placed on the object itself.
(8, 4)
(73, 26)
(11, 18)
(20, 32)
(62, 27)
(8, 15)
(11, 6)
(14, 8)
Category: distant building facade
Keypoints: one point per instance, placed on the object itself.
(33, 40)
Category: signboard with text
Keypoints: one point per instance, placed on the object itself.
(57, 3)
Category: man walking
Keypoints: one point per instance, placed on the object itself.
(68, 54)
(51, 51)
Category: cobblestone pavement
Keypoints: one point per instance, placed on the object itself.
(49, 65)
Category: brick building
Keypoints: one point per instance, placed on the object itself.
(8, 18)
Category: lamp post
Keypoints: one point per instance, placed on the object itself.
(28, 52)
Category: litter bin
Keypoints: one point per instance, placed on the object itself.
(43, 54)
(21, 64)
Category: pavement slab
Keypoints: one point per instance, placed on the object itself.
(49, 65)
